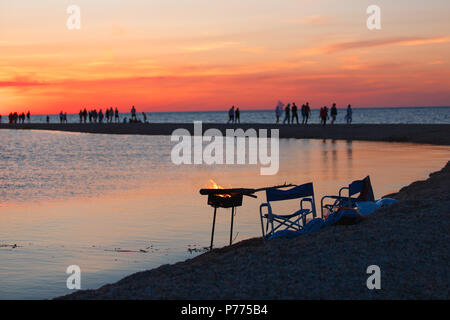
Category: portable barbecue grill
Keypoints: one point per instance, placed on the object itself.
(229, 198)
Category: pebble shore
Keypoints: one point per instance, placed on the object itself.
(409, 241)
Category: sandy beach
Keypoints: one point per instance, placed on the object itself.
(418, 133)
(409, 241)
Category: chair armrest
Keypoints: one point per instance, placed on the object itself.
(307, 200)
(269, 209)
(342, 189)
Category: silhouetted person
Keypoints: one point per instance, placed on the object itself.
(294, 113)
(307, 112)
(48, 119)
(349, 114)
(133, 114)
(231, 115)
(100, 116)
(85, 114)
(28, 116)
(333, 113)
(144, 116)
(237, 116)
(324, 115)
(111, 114)
(117, 115)
(0, 118)
(278, 111)
(287, 114)
(80, 114)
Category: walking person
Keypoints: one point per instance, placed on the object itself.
(287, 114)
(117, 115)
(333, 113)
(231, 115)
(111, 114)
(237, 116)
(133, 114)
(294, 113)
(307, 112)
(303, 110)
(324, 115)
(278, 110)
(349, 114)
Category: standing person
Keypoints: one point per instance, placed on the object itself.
(85, 115)
(303, 110)
(61, 117)
(144, 116)
(237, 116)
(100, 116)
(294, 113)
(117, 115)
(324, 115)
(80, 114)
(278, 110)
(133, 114)
(107, 115)
(111, 114)
(0, 118)
(287, 114)
(333, 113)
(307, 112)
(28, 116)
(349, 114)
(65, 117)
(231, 115)
(48, 119)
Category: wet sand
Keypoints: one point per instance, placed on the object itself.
(418, 133)
(409, 241)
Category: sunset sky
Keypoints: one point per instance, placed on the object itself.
(171, 55)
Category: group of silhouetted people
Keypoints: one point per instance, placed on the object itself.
(15, 117)
(234, 115)
(111, 115)
(291, 113)
(323, 115)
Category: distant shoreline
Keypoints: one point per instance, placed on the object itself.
(436, 134)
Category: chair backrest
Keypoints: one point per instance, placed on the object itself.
(305, 190)
(363, 187)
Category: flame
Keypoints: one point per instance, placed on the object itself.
(214, 185)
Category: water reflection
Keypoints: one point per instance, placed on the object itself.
(127, 208)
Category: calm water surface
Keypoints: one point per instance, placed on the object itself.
(115, 205)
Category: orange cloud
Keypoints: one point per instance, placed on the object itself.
(405, 41)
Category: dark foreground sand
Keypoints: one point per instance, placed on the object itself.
(409, 241)
(419, 133)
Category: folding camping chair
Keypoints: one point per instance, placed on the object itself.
(294, 221)
(362, 187)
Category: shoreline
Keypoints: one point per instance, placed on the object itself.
(409, 241)
(436, 134)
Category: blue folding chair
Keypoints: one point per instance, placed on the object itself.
(362, 188)
(294, 221)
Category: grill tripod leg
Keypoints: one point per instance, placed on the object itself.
(213, 226)
(231, 230)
